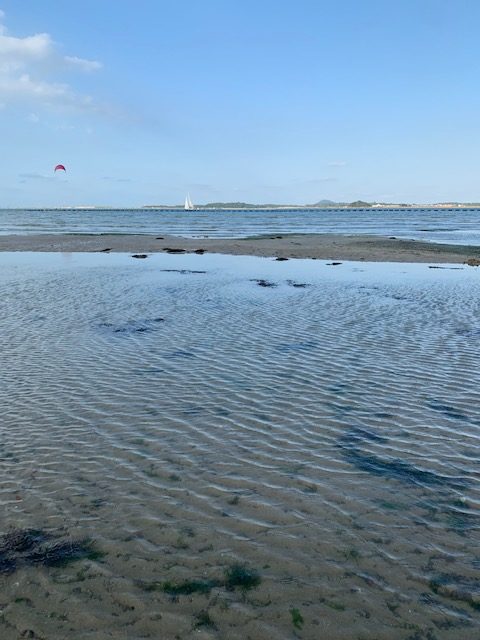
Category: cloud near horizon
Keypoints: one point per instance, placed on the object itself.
(24, 63)
(35, 176)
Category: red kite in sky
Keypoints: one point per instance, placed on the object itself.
(60, 167)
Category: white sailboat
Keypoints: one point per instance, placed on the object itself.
(188, 203)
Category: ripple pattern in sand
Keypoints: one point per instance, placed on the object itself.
(327, 436)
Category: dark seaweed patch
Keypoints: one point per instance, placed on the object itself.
(457, 587)
(132, 326)
(297, 618)
(399, 469)
(448, 410)
(469, 333)
(264, 283)
(296, 346)
(182, 271)
(32, 547)
(236, 576)
(62, 553)
(20, 540)
(447, 268)
(185, 588)
(7, 565)
(390, 467)
(298, 285)
(240, 576)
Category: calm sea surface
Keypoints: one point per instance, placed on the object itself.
(317, 425)
(457, 226)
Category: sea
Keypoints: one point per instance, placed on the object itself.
(233, 447)
(454, 226)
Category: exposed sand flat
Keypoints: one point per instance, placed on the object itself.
(321, 246)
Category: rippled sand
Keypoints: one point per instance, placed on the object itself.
(318, 424)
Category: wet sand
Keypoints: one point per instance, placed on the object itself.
(320, 246)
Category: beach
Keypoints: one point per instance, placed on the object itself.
(225, 434)
(315, 246)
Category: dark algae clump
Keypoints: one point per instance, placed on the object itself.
(19, 540)
(456, 587)
(240, 576)
(188, 587)
(297, 618)
(62, 553)
(32, 547)
(352, 445)
(263, 283)
(237, 576)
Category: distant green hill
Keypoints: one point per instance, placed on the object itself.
(360, 203)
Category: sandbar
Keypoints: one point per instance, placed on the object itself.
(314, 246)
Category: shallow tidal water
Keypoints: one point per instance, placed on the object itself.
(455, 226)
(316, 425)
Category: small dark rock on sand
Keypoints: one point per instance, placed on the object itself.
(333, 264)
(105, 250)
(281, 259)
(168, 250)
(200, 251)
(140, 255)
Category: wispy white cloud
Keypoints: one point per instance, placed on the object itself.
(26, 64)
(35, 176)
(82, 64)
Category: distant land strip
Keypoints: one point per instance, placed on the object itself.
(240, 206)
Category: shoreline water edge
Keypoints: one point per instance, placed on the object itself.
(286, 246)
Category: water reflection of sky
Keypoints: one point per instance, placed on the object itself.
(308, 270)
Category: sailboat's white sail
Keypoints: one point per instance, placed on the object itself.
(188, 203)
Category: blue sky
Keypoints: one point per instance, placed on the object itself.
(260, 101)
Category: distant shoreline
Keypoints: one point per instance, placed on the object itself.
(286, 208)
(314, 246)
